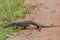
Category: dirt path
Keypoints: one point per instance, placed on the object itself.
(45, 12)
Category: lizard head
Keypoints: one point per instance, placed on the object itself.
(5, 26)
(8, 25)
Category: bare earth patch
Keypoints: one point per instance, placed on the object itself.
(45, 12)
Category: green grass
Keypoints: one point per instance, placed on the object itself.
(10, 10)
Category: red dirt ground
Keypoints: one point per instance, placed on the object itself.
(45, 12)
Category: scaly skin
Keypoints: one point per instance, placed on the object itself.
(24, 23)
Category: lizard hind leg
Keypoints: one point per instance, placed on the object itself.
(39, 29)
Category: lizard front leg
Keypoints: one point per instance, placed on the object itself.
(14, 28)
(23, 28)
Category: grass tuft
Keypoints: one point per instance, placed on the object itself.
(10, 10)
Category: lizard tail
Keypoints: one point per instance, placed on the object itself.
(50, 26)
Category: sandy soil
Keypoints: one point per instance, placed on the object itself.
(45, 12)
